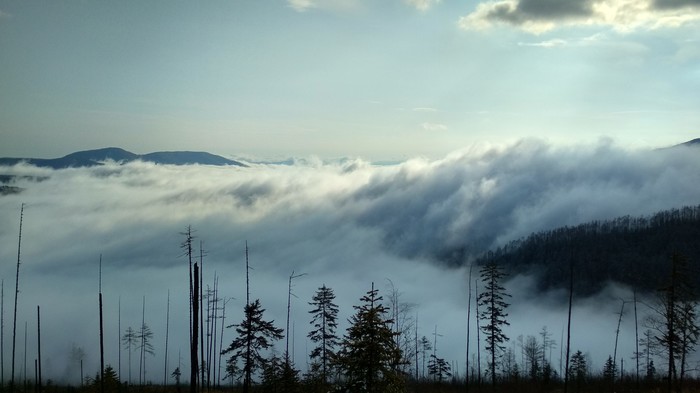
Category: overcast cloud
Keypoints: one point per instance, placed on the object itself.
(346, 224)
(538, 16)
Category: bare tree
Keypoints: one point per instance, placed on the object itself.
(14, 319)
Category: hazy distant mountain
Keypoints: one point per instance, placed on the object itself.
(694, 142)
(634, 251)
(98, 157)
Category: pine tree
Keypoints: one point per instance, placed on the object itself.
(254, 336)
(129, 340)
(439, 368)
(144, 337)
(493, 313)
(369, 348)
(325, 322)
(675, 320)
(578, 369)
(424, 346)
(609, 370)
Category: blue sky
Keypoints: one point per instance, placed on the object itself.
(386, 79)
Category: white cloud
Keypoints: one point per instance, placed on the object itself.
(545, 44)
(539, 16)
(301, 5)
(331, 5)
(434, 126)
(422, 5)
(345, 224)
(424, 109)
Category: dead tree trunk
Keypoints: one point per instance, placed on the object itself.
(167, 327)
(568, 325)
(102, 341)
(14, 319)
(38, 346)
(194, 363)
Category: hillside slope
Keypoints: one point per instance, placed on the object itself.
(634, 251)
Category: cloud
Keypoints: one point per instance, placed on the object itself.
(332, 5)
(538, 16)
(424, 109)
(434, 126)
(4, 14)
(346, 224)
(423, 5)
(301, 5)
(545, 44)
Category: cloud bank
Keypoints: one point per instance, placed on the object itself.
(345, 224)
(538, 16)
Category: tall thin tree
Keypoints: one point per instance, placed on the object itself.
(14, 319)
(119, 342)
(167, 329)
(289, 308)
(478, 336)
(38, 346)
(102, 342)
(568, 323)
(194, 361)
(200, 296)
(2, 334)
(325, 322)
(469, 311)
(494, 315)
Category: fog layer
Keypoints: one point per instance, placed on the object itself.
(345, 224)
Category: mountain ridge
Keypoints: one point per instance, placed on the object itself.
(97, 157)
(632, 251)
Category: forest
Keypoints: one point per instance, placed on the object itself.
(382, 351)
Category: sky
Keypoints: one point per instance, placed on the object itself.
(346, 224)
(503, 118)
(380, 80)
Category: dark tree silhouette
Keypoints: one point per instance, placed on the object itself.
(675, 320)
(324, 319)
(578, 369)
(369, 348)
(254, 336)
(439, 368)
(129, 340)
(144, 338)
(493, 314)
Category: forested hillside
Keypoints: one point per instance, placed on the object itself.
(630, 250)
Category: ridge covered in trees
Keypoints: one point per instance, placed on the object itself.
(629, 250)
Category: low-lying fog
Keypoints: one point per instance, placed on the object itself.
(344, 224)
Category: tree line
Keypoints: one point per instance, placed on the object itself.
(380, 351)
(627, 250)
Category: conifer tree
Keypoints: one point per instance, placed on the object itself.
(369, 348)
(129, 340)
(493, 314)
(254, 336)
(578, 369)
(325, 322)
(439, 368)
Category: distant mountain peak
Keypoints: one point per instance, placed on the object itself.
(694, 142)
(88, 158)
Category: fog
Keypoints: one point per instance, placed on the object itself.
(345, 223)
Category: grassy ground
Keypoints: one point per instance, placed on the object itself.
(591, 386)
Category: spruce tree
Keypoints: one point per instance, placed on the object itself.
(493, 313)
(129, 340)
(369, 348)
(325, 322)
(254, 336)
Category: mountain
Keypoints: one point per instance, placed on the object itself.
(90, 158)
(634, 251)
(694, 142)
